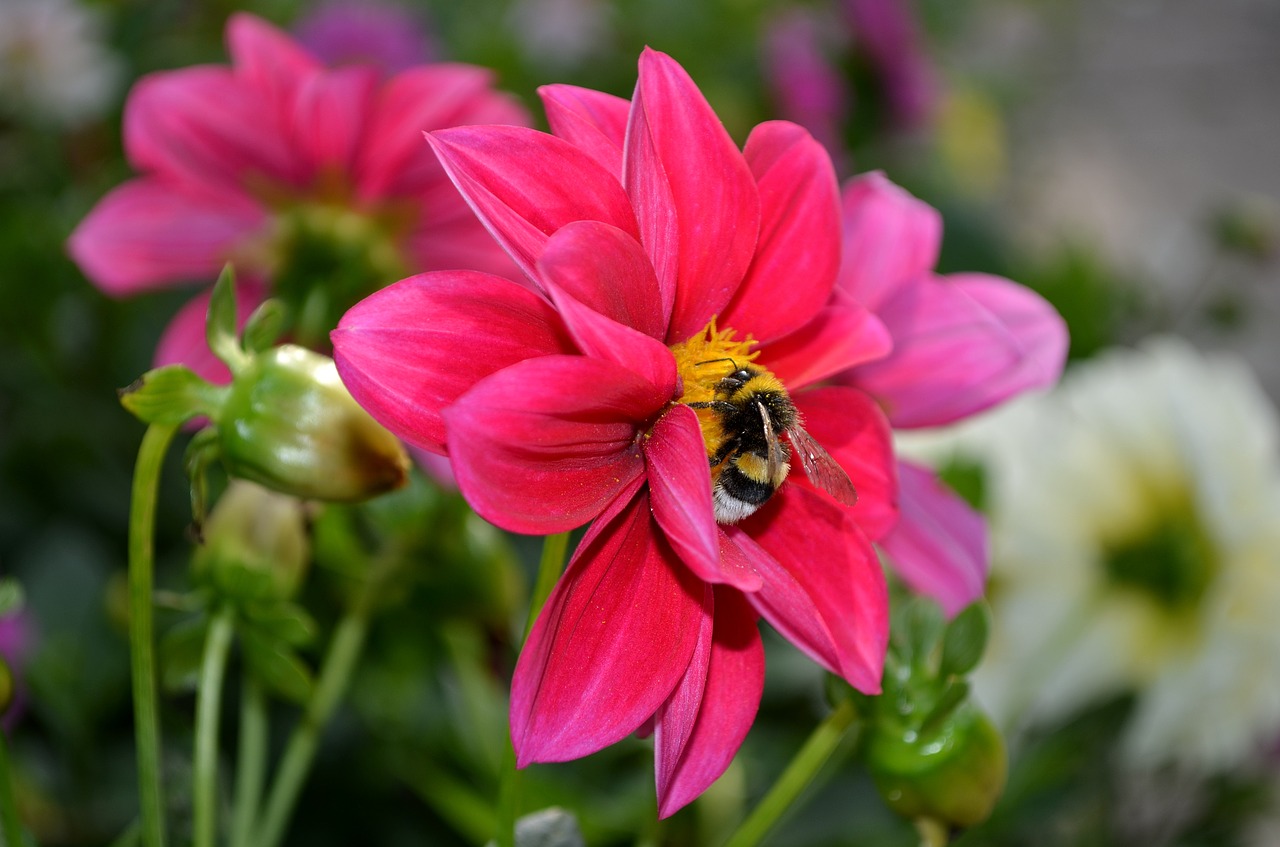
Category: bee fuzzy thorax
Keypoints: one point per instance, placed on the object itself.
(744, 411)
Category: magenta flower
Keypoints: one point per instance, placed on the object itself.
(342, 32)
(889, 33)
(17, 640)
(660, 260)
(961, 344)
(260, 162)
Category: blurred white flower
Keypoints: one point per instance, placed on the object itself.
(53, 62)
(1135, 519)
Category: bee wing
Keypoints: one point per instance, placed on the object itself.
(776, 459)
(822, 470)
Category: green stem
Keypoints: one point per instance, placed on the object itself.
(932, 833)
(554, 548)
(251, 762)
(824, 741)
(213, 669)
(142, 518)
(335, 674)
(10, 826)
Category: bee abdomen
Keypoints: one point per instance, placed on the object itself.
(737, 495)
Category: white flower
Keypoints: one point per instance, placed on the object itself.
(53, 62)
(1135, 519)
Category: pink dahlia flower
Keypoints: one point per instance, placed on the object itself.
(268, 161)
(961, 343)
(660, 259)
(342, 32)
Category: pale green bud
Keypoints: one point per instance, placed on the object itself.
(256, 543)
(290, 424)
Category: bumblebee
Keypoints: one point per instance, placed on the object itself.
(749, 460)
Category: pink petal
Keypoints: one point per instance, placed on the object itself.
(693, 193)
(591, 120)
(408, 350)
(206, 126)
(890, 238)
(394, 161)
(605, 268)
(961, 347)
(939, 547)
(615, 637)
(525, 185)
(795, 264)
(267, 59)
(673, 723)
(680, 488)
(183, 341)
(544, 445)
(724, 713)
(329, 117)
(823, 586)
(148, 234)
(444, 240)
(602, 337)
(854, 431)
(842, 335)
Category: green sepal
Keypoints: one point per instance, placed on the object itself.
(276, 665)
(241, 584)
(953, 695)
(201, 453)
(264, 326)
(220, 323)
(283, 621)
(965, 640)
(181, 652)
(12, 597)
(172, 395)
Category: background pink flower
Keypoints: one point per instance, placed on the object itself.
(658, 258)
(275, 161)
(369, 32)
(961, 344)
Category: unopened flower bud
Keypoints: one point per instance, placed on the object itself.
(952, 775)
(8, 687)
(290, 424)
(255, 542)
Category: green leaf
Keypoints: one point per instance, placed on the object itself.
(181, 651)
(953, 695)
(172, 394)
(275, 664)
(220, 324)
(965, 640)
(12, 597)
(263, 326)
(283, 621)
(241, 584)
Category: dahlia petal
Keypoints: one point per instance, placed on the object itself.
(842, 335)
(680, 489)
(544, 445)
(855, 432)
(147, 234)
(592, 120)
(673, 723)
(939, 546)
(730, 699)
(407, 351)
(799, 247)
(267, 58)
(692, 191)
(823, 585)
(206, 126)
(329, 116)
(615, 638)
(890, 237)
(183, 341)
(557, 183)
(602, 337)
(605, 268)
(393, 160)
(954, 356)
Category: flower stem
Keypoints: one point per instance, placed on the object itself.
(10, 826)
(554, 548)
(251, 762)
(142, 518)
(824, 741)
(208, 705)
(932, 833)
(339, 663)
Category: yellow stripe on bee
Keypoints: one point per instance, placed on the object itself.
(753, 467)
(762, 383)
